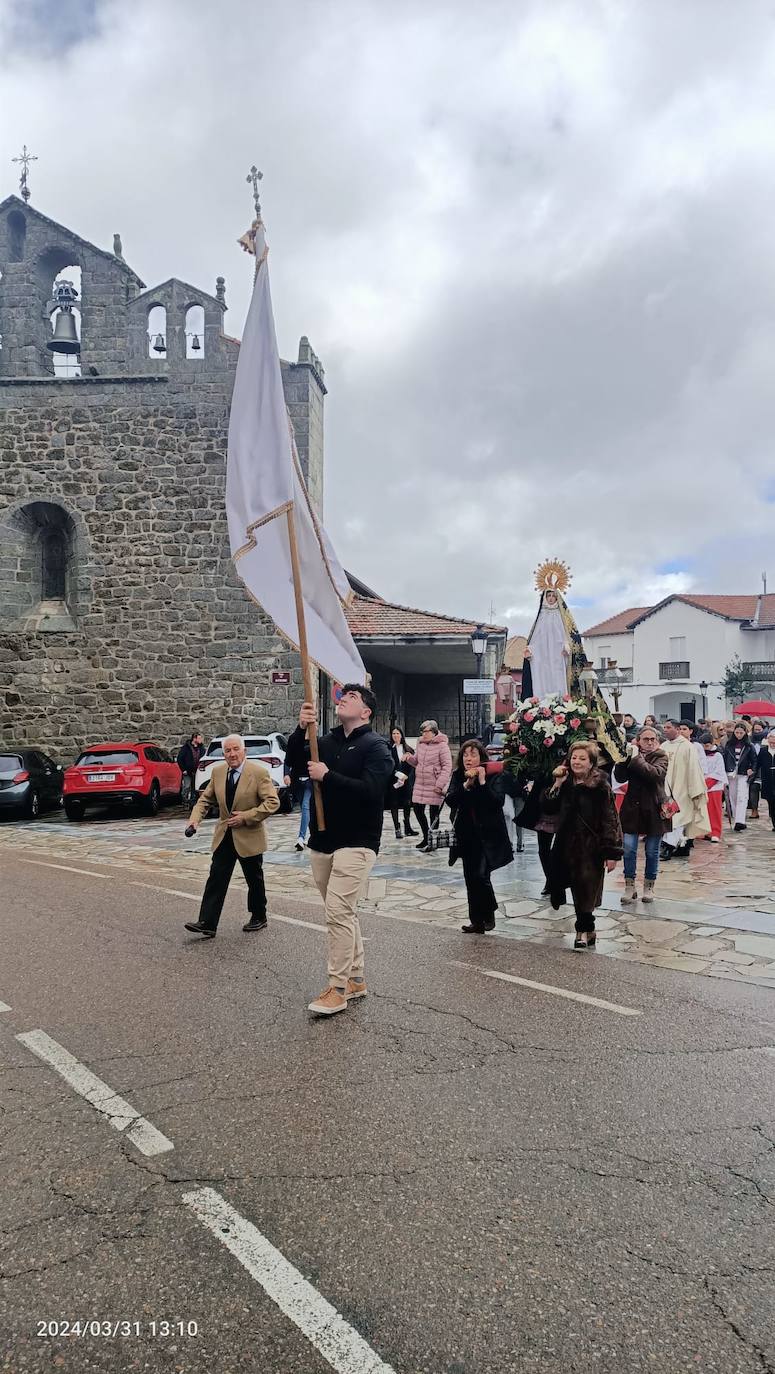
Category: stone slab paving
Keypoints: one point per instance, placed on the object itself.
(714, 914)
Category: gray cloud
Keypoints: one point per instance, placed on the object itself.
(531, 244)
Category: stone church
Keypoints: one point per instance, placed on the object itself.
(120, 612)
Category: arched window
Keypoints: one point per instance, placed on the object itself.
(195, 332)
(17, 226)
(157, 332)
(67, 359)
(42, 591)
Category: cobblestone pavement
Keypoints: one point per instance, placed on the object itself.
(714, 914)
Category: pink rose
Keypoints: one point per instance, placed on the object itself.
(575, 723)
(566, 697)
(529, 715)
(559, 720)
(549, 740)
(523, 748)
(546, 713)
(534, 701)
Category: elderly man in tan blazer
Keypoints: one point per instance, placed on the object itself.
(245, 795)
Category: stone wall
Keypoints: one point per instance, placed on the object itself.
(164, 636)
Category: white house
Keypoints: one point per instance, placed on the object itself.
(672, 656)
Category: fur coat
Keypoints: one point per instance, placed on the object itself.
(588, 833)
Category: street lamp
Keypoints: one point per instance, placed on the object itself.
(703, 689)
(617, 675)
(479, 644)
(588, 679)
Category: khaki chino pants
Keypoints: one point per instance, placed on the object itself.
(341, 878)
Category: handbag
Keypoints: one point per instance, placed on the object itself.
(670, 806)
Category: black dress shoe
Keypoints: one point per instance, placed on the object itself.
(197, 928)
(490, 923)
(409, 832)
(468, 929)
(423, 847)
(259, 924)
(545, 890)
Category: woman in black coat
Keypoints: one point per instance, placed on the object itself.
(740, 762)
(481, 838)
(398, 794)
(589, 837)
(765, 772)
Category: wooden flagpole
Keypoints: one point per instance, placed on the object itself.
(306, 667)
(248, 242)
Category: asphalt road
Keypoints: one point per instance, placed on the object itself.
(476, 1174)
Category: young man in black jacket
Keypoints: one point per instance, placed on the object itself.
(354, 767)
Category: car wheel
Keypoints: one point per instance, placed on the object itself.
(153, 800)
(75, 810)
(33, 805)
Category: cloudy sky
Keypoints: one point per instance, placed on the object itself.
(533, 243)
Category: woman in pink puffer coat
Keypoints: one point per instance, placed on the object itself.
(432, 762)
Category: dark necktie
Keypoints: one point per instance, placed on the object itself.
(231, 787)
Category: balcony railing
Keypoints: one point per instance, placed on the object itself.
(608, 676)
(760, 672)
(671, 672)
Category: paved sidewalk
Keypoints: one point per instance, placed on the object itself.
(714, 914)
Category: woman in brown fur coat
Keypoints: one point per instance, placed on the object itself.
(588, 842)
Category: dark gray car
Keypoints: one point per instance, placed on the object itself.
(30, 782)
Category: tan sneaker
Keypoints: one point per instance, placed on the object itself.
(328, 1003)
(355, 990)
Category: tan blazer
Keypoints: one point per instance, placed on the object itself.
(256, 795)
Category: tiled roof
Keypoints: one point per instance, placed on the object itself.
(730, 607)
(367, 616)
(619, 624)
(735, 607)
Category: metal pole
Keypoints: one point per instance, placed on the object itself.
(480, 707)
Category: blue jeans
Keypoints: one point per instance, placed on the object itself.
(631, 856)
(306, 797)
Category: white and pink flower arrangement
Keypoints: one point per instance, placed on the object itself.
(540, 733)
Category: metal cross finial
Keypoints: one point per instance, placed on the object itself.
(25, 159)
(255, 176)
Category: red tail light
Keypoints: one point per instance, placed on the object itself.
(23, 776)
(270, 761)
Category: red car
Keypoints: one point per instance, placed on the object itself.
(143, 774)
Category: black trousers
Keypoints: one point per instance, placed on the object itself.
(544, 849)
(407, 810)
(482, 902)
(419, 812)
(221, 869)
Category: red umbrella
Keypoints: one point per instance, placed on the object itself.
(756, 708)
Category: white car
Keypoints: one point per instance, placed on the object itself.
(268, 749)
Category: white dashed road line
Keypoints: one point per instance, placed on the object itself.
(197, 897)
(120, 1114)
(551, 988)
(337, 1341)
(65, 868)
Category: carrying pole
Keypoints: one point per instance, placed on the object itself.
(306, 668)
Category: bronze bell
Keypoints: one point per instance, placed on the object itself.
(195, 344)
(65, 337)
(159, 346)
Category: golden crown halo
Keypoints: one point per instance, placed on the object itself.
(552, 576)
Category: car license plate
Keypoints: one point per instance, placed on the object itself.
(100, 777)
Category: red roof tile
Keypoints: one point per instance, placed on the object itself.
(371, 617)
(619, 624)
(741, 607)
